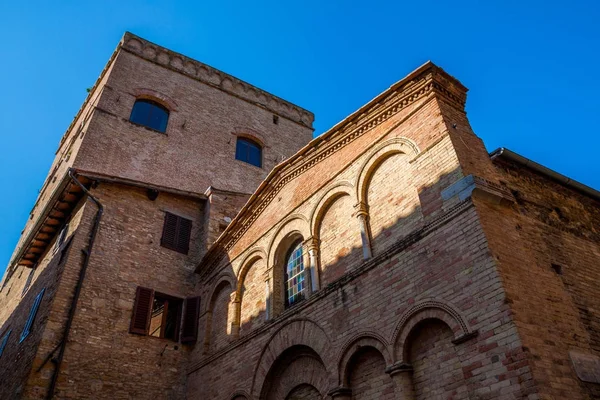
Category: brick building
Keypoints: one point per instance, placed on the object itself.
(192, 241)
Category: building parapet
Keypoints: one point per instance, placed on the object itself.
(215, 78)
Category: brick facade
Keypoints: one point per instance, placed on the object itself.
(429, 270)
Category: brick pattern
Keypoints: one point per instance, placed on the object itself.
(392, 196)
(368, 379)
(553, 312)
(253, 298)
(220, 318)
(304, 392)
(437, 369)
(340, 237)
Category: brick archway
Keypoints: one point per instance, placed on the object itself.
(356, 344)
(429, 309)
(299, 332)
(376, 157)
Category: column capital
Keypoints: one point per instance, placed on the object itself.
(361, 209)
(398, 367)
(312, 243)
(340, 393)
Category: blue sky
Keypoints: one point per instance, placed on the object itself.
(531, 67)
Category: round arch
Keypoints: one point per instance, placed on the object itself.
(151, 94)
(354, 345)
(295, 224)
(297, 332)
(379, 154)
(424, 310)
(253, 256)
(333, 193)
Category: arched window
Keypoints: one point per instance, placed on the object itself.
(248, 151)
(150, 114)
(295, 283)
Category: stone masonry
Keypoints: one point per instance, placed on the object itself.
(424, 267)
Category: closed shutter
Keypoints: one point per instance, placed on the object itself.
(142, 310)
(169, 236)
(176, 233)
(189, 329)
(183, 235)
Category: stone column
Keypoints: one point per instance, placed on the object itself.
(312, 275)
(237, 313)
(341, 393)
(362, 213)
(401, 373)
(268, 296)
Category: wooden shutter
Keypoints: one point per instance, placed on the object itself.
(189, 329)
(169, 235)
(184, 233)
(142, 310)
(176, 233)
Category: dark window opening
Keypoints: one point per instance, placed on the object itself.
(176, 234)
(275, 119)
(557, 268)
(32, 313)
(295, 283)
(28, 281)
(61, 239)
(4, 342)
(248, 151)
(166, 314)
(150, 114)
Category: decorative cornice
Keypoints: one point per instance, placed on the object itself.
(215, 78)
(418, 85)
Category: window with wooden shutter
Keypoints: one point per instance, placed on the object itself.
(189, 329)
(177, 232)
(142, 309)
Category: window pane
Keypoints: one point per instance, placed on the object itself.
(295, 275)
(248, 151)
(254, 156)
(158, 308)
(150, 114)
(172, 319)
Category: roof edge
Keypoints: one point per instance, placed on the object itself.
(504, 153)
(438, 81)
(216, 78)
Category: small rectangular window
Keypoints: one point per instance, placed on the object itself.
(4, 342)
(160, 315)
(176, 233)
(28, 281)
(166, 314)
(61, 239)
(32, 313)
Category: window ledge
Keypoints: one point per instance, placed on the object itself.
(250, 165)
(147, 127)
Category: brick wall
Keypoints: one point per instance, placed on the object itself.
(431, 263)
(554, 312)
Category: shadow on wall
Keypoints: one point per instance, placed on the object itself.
(382, 366)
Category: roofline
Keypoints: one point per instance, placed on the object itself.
(139, 184)
(216, 78)
(510, 155)
(343, 126)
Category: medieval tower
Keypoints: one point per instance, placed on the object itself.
(192, 240)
